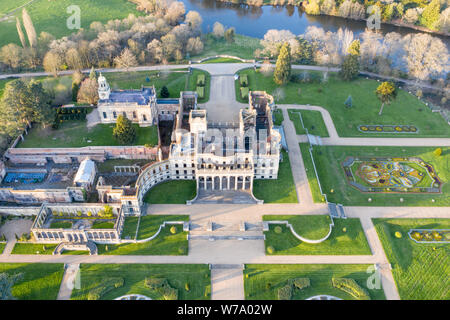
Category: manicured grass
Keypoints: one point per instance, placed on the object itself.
(420, 270)
(406, 109)
(51, 16)
(165, 243)
(351, 242)
(2, 247)
(312, 120)
(328, 161)
(259, 275)
(130, 228)
(103, 225)
(75, 134)
(33, 248)
(312, 227)
(279, 118)
(281, 190)
(8, 6)
(310, 173)
(222, 60)
(61, 225)
(243, 47)
(192, 84)
(172, 192)
(149, 224)
(197, 276)
(40, 281)
(75, 252)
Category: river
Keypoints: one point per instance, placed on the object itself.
(255, 21)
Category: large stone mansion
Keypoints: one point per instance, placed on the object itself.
(219, 156)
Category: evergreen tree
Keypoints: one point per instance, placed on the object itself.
(349, 68)
(93, 74)
(430, 15)
(229, 35)
(29, 28)
(354, 48)
(20, 32)
(282, 71)
(164, 92)
(349, 102)
(124, 130)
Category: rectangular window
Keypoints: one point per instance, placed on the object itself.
(104, 115)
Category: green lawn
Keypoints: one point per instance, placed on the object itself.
(312, 121)
(197, 276)
(103, 225)
(310, 173)
(8, 6)
(172, 192)
(332, 176)
(222, 60)
(192, 84)
(405, 110)
(51, 16)
(61, 225)
(279, 118)
(264, 280)
(420, 270)
(130, 227)
(312, 227)
(351, 242)
(281, 190)
(149, 224)
(243, 47)
(165, 243)
(32, 248)
(2, 247)
(75, 134)
(40, 281)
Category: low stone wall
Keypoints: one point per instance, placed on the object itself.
(20, 211)
(67, 155)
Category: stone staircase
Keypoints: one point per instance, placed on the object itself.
(89, 246)
(227, 231)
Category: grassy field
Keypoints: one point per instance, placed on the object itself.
(61, 224)
(312, 121)
(261, 282)
(405, 110)
(312, 227)
(281, 190)
(351, 242)
(2, 247)
(149, 224)
(130, 228)
(41, 281)
(420, 270)
(222, 60)
(75, 134)
(103, 225)
(32, 248)
(310, 173)
(332, 176)
(243, 47)
(165, 243)
(197, 276)
(279, 118)
(51, 16)
(172, 192)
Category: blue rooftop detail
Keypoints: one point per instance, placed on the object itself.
(141, 97)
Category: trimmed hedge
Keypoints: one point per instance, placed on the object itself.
(300, 283)
(201, 80)
(163, 287)
(243, 80)
(104, 287)
(285, 293)
(244, 92)
(201, 92)
(351, 287)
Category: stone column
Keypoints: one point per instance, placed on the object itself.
(212, 182)
(220, 183)
(236, 181)
(228, 182)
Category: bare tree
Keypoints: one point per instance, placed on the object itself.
(194, 20)
(126, 59)
(194, 45)
(20, 32)
(11, 55)
(155, 51)
(52, 62)
(218, 30)
(175, 13)
(88, 92)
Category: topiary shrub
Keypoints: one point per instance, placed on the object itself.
(300, 283)
(173, 229)
(104, 287)
(351, 287)
(398, 234)
(278, 229)
(163, 287)
(187, 287)
(270, 250)
(285, 293)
